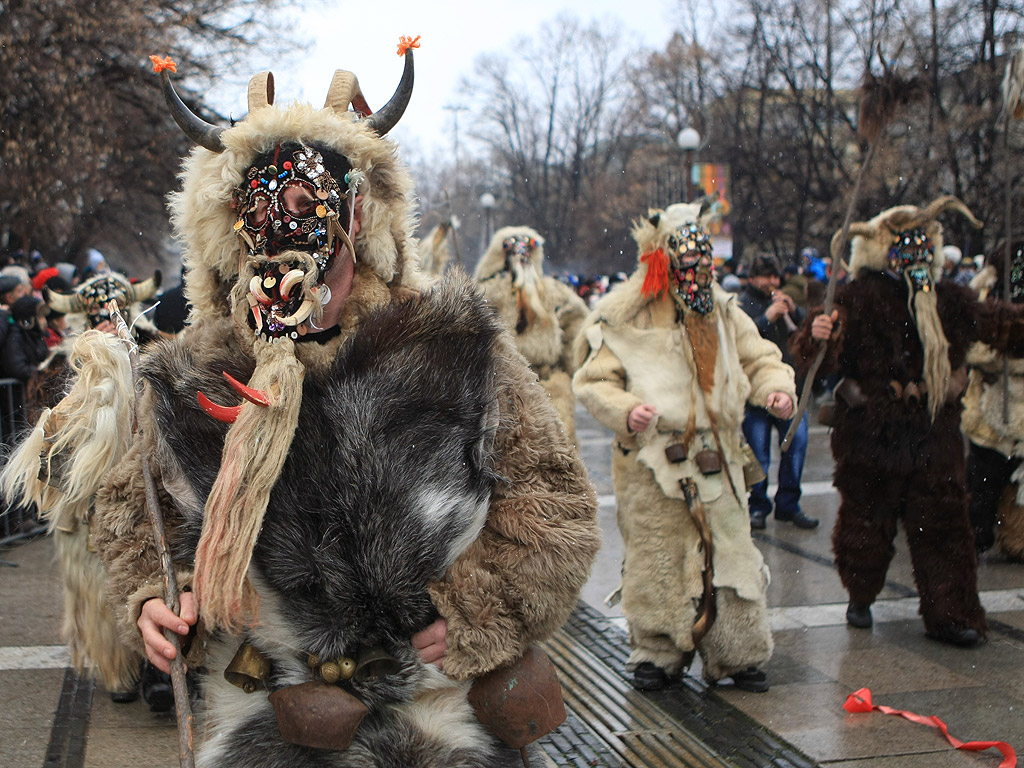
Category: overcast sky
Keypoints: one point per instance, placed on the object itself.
(363, 37)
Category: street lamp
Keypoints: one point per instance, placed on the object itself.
(487, 202)
(688, 140)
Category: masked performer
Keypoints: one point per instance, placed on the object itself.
(64, 489)
(544, 314)
(434, 253)
(669, 360)
(899, 338)
(996, 442)
(390, 462)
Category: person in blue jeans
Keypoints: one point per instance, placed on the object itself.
(776, 316)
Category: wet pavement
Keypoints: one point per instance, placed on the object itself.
(49, 718)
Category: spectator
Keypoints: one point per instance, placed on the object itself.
(25, 347)
(776, 316)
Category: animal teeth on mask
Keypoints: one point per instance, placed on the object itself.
(289, 280)
(256, 289)
(304, 311)
(258, 317)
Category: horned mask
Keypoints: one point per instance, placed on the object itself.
(92, 297)
(903, 241)
(267, 210)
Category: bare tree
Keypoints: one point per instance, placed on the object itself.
(89, 151)
(553, 122)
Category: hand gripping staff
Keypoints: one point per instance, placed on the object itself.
(182, 704)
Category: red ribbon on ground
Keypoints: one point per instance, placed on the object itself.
(860, 701)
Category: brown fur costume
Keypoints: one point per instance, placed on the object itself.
(544, 316)
(894, 462)
(512, 584)
(633, 350)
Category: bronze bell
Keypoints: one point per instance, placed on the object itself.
(708, 462)
(317, 715)
(374, 663)
(521, 702)
(249, 669)
(676, 453)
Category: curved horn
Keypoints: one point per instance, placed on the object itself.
(144, 289)
(65, 303)
(345, 90)
(940, 205)
(389, 115)
(225, 413)
(261, 90)
(201, 132)
(255, 396)
(857, 228)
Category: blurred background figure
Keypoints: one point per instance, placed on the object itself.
(776, 316)
(543, 314)
(996, 444)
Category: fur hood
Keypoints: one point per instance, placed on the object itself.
(202, 214)
(493, 260)
(870, 241)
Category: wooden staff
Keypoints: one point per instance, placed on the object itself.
(182, 702)
(880, 99)
(838, 249)
(1013, 108)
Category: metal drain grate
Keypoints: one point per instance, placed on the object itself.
(611, 724)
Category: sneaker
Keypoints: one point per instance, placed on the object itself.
(859, 616)
(963, 637)
(758, 521)
(799, 519)
(648, 677)
(750, 679)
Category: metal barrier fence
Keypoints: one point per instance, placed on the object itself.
(16, 522)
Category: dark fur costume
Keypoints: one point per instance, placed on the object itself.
(373, 504)
(892, 462)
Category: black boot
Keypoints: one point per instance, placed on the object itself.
(963, 637)
(648, 677)
(750, 679)
(124, 697)
(156, 689)
(859, 616)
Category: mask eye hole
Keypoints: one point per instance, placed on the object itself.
(256, 216)
(673, 243)
(298, 199)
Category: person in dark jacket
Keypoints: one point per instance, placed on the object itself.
(776, 316)
(25, 347)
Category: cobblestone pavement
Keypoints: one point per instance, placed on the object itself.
(50, 718)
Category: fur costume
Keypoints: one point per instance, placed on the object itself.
(898, 447)
(401, 466)
(634, 350)
(994, 441)
(544, 314)
(433, 250)
(91, 442)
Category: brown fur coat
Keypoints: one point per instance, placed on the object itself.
(516, 583)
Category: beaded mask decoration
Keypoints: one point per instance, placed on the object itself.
(92, 297)
(911, 255)
(692, 267)
(292, 222)
(518, 250)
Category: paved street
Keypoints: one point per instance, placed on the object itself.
(48, 719)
